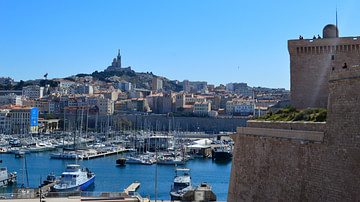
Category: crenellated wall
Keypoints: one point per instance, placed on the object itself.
(276, 168)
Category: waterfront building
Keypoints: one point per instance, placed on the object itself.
(132, 105)
(82, 89)
(4, 120)
(106, 106)
(11, 99)
(65, 83)
(242, 107)
(124, 86)
(22, 119)
(195, 86)
(64, 86)
(202, 108)
(33, 91)
(78, 110)
(190, 99)
(312, 60)
(9, 92)
(45, 106)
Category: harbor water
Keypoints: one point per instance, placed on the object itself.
(112, 178)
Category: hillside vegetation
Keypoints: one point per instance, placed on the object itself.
(140, 80)
(294, 114)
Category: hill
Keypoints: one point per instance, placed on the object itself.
(140, 80)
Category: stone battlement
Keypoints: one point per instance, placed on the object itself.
(324, 46)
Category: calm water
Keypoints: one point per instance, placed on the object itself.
(112, 178)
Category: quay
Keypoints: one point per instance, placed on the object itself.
(132, 188)
(78, 198)
(104, 154)
(46, 188)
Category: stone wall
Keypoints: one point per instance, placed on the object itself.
(187, 123)
(290, 125)
(278, 169)
(301, 135)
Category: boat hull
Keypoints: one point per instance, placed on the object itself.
(80, 187)
(170, 162)
(222, 156)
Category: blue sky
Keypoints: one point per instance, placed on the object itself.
(199, 40)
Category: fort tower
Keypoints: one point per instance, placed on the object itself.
(311, 61)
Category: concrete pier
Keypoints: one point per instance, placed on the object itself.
(105, 154)
(132, 188)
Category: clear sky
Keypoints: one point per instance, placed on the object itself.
(218, 41)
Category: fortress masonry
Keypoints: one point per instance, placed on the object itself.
(311, 61)
(304, 161)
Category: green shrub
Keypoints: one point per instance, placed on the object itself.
(294, 114)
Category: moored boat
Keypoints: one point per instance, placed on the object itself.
(182, 184)
(138, 160)
(75, 179)
(121, 162)
(222, 154)
(68, 155)
(171, 161)
(7, 178)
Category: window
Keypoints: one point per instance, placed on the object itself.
(332, 57)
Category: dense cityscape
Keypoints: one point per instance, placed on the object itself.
(186, 110)
(122, 91)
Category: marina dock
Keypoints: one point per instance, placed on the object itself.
(105, 154)
(46, 188)
(132, 188)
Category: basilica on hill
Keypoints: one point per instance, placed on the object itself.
(116, 65)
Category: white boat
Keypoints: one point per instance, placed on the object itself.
(65, 156)
(134, 160)
(171, 161)
(182, 184)
(7, 178)
(75, 179)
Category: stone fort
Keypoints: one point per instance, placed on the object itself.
(311, 61)
(305, 161)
